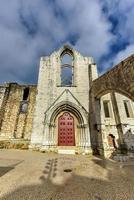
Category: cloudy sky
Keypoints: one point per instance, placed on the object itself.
(29, 29)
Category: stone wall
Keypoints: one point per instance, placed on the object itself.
(3, 98)
(16, 124)
(2, 92)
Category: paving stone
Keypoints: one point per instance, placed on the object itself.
(38, 176)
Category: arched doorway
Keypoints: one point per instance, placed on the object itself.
(64, 120)
(66, 130)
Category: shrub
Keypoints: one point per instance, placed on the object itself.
(13, 145)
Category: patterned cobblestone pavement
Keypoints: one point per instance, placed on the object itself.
(26, 175)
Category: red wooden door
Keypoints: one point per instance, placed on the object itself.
(66, 133)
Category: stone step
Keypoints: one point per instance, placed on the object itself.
(66, 149)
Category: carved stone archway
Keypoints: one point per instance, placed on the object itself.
(119, 79)
(82, 127)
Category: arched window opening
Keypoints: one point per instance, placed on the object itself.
(67, 59)
(66, 69)
(23, 107)
(111, 141)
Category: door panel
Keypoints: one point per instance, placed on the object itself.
(66, 132)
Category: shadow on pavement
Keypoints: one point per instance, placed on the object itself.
(6, 169)
(116, 185)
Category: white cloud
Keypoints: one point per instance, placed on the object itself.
(122, 13)
(95, 35)
(53, 24)
(128, 51)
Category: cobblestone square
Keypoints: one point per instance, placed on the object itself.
(28, 175)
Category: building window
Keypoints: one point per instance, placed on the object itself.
(67, 68)
(25, 94)
(23, 107)
(106, 105)
(24, 102)
(128, 109)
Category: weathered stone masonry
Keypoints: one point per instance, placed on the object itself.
(16, 123)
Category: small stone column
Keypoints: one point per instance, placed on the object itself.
(45, 142)
(82, 136)
(52, 136)
(78, 142)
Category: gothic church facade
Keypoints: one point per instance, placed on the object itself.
(57, 114)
